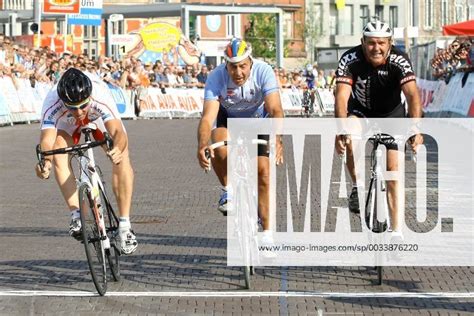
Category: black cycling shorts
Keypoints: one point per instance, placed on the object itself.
(222, 122)
(362, 112)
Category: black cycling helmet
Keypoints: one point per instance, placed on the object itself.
(74, 88)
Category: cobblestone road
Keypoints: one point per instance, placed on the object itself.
(182, 248)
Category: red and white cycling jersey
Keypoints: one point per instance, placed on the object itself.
(101, 109)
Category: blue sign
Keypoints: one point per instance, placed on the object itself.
(119, 98)
(90, 14)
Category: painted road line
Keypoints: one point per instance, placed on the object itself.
(420, 295)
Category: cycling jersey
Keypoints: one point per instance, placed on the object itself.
(101, 109)
(376, 92)
(246, 100)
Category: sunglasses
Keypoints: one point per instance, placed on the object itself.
(75, 107)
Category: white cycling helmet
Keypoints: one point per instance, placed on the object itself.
(377, 29)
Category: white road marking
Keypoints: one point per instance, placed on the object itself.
(431, 295)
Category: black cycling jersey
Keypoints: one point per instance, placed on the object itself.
(376, 92)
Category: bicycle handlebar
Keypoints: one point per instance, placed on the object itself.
(108, 141)
(224, 143)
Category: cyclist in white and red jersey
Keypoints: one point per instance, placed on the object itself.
(76, 101)
(242, 87)
(370, 78)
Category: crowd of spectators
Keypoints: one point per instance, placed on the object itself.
(459, 56)
(45, 65)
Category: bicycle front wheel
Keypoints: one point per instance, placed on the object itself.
(92, 239)
(111, 226)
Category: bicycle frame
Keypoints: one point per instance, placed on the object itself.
(377, 186)
(89, 176)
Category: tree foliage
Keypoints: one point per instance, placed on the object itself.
(261, 35)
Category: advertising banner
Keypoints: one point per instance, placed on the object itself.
(61, 6)
(162, 41)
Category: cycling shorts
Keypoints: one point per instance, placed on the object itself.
(362, 112)
(221, 121)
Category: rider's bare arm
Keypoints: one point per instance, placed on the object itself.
(115, 129)
(412, 95)
(275, 110)
(273, 105)
(47, 139)
(343, 93)
(209, 115)
(410, 91)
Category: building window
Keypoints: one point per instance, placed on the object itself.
(287, 25)
(459, 8)
(332, 20)
(379, 12)
(444, 12)
(364, 14)
(59, 27)
(470, 12)
(233, 25)
(314, 21)
(91, 41)
(393, 16)
(318, 18)
(428, 13)
(346, 20)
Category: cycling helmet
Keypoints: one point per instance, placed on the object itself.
(377, 29)
(237, 50)
(74, 88)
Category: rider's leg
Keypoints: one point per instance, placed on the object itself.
(63, 173)
(392, 190)
(219, 163)
(264, 191)
(122, 184)
(350, 156)
(350, 162)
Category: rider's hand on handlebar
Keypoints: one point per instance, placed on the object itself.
(204, 156)
(43, 172)
(415, 141)
(341, 142)
(115, 155)
(279, 152)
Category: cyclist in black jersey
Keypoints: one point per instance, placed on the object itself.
(369, 82)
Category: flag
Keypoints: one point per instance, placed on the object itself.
(340, 4)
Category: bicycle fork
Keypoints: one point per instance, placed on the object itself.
(379, 194)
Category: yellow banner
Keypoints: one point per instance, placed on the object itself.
(160, 37)
(340, 4)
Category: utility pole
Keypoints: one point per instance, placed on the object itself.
(38, 8)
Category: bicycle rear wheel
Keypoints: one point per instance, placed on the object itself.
(92, 240)
(111, 226)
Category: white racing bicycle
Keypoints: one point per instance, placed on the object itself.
(377, 216)
(243, 199)
(98, 218)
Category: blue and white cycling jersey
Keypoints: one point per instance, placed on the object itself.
(246, 100)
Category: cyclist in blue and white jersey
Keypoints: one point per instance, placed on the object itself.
(242, 87)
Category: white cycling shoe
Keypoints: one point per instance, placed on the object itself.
(128, 241)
